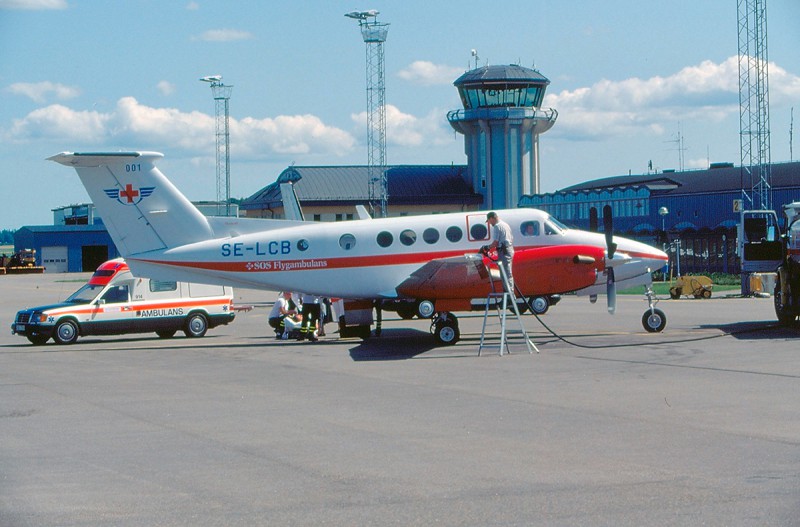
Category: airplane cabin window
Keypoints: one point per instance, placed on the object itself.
(430, 235)
(479, 231)
(529, 228)
(408, 237)
(347, 241)
(454, 234)
(385, 238)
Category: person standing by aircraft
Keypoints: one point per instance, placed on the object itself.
(504, 243)
(311, 313)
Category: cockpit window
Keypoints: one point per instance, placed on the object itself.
(529, 228)
(553, 226)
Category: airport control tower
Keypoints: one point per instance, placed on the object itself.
(501, 122)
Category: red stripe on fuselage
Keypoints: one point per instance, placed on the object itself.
(375, 260)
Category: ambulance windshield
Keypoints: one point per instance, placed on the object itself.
(85, 294)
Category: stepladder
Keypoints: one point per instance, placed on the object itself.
(501, 298)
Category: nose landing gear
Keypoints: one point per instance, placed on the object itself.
(653, 320)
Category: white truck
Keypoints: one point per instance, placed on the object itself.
(115, 302)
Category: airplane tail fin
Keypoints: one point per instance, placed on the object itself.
(140, 207)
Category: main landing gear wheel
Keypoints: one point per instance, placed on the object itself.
(654, 321)
(445, 328)
(540, 304)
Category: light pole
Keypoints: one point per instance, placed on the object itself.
(663, 211)
(222, 94)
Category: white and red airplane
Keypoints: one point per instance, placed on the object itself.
(432, 260)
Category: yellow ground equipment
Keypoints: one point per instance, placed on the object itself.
(698, 286)
(22, 262)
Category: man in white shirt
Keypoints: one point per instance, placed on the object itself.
(504, 243)
(281, 318)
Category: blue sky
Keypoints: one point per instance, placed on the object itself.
(627, 77)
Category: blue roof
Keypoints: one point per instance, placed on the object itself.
(723, 179)
(408, 184)
(510, 74)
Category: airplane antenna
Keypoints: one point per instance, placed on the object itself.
(222, 95)
(374, 35)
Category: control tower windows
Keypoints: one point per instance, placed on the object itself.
(502, 95)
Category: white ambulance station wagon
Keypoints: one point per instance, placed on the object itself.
(115, 302)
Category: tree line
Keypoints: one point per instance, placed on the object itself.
(7, 237)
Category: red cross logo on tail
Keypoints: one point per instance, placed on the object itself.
(128, 195)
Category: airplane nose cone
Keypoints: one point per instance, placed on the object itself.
(654, 257)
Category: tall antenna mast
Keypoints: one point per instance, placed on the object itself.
(374, 34)
(679, 145)
(222, 95)
(754, 131)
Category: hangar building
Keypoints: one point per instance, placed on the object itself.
(702, 209)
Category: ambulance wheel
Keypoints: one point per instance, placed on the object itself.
(196, 325)
(66, 332)
(165, 334)
(446, 332)
(38, 340)
(654, 322)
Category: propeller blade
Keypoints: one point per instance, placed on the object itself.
(593, 225)
(608, 227)
(611, 291)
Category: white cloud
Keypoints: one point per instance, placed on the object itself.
(403, 129)
(39, 91)
(192, 6)
(134, 124)
(292, 135)
(427, 73)
(165, 87)
(224, 35)
(57, 122)
(704, 92)
(33, 5)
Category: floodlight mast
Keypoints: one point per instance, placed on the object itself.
(222, 95)
(754, 129)
(374, 35)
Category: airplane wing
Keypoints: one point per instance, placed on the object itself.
(454, 277)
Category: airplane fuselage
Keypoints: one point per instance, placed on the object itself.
(371, 258)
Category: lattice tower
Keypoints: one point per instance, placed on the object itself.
(754, 132)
